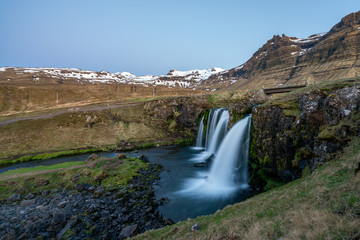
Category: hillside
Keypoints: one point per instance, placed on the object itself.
(285, 60)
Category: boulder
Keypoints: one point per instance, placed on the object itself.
(121, 156)
(98, 192)
(144, 158)
(128, 231)
(14, 198)
(92, 157)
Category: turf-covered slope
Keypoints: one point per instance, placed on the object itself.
(321, 205)
(287, 60)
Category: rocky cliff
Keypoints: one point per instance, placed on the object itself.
(287, 60)
(303, 130)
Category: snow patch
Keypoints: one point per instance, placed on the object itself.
(184, 79)
(311, 38)
(305, 50)
(240, 67)
(195, 75)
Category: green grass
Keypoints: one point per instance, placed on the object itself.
(324, 204)
(43, 156)
(41, 168)
(109, 172)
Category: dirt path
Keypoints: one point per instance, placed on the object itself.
(69, 110)
(29, 174)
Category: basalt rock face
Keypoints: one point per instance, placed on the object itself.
(182, 112)
(303, 131)
(287, 60)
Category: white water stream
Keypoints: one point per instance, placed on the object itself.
(229, 167)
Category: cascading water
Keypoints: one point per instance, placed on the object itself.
(234, 149)
(229, 168)
(219, 131)
(200, 135)
(213, 119)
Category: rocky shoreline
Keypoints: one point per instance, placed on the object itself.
(86, 212)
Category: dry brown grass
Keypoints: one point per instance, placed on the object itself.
(27, 98)
(77, 130)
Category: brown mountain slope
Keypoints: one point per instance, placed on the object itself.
(287, 60)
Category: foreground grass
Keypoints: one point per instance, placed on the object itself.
(321, 205)
(109, 172)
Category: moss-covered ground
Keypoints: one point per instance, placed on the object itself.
(109, 172)
(322, 205)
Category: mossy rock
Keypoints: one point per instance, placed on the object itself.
(172, 126)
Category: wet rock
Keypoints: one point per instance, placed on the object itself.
(45, 193)
(14, 198)
(29, 196)
(52, 216)
(58, 216)
(201, 164)
(26, 203)
(143, 158)
(93, 208)
(68, 225)
(195, 227)
(125, 146)
(98, 192)
(128, 231)
(8, 236)
(121, 156)
(163, 201)
(92, 157)
(62, 204)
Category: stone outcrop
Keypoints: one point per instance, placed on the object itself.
(89, 212)
(302, 131)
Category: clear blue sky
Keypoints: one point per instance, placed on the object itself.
(153, 36)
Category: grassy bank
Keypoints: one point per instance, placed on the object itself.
(321, 205)
(108, 172)
(50, 155)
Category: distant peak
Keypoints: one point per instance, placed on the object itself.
(347, 21)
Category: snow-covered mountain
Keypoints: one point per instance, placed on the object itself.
(174, 78)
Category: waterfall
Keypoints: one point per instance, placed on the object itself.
(216, 128)
(211, 124)
(229, 168)
(219, 132)
(234, 149)
(200, 135)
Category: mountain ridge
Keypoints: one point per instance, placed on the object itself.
(296, 61)
(174, 78)
(282, 60)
